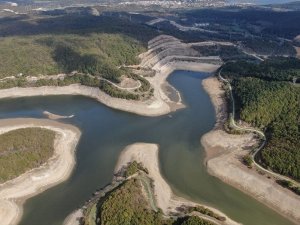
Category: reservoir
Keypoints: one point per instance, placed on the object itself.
(106, 132)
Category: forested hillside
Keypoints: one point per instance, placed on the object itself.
(267, 101)
(95, 54)
(274, 69)
(62, 44)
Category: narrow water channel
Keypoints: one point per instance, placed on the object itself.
(105, 133)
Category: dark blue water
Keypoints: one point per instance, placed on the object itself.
(105, 133)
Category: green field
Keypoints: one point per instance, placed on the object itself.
(24, 149)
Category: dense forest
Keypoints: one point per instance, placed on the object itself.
(274, 69)
(127, 206)
(44, 44)
(89, 45)
(264, 46)
(273, 22)
(24, 149)
(266, 100)
(96, 54)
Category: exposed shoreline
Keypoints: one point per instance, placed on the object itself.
(157, 106)
(147, 154)
(57, 169)
(163, 63)
(223, 159)
(72, 219)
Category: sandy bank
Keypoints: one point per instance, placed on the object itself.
(73, 218)
(53, 116)
(151, 108)
(13, 193)
(147, 154)
(224, 160)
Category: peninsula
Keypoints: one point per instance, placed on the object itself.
(148, 197)
(56, 166)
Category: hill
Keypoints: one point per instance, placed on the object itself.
(267, 99)
(34, 45)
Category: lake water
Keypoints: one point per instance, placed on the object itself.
(105, 133)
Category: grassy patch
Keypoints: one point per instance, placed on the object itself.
(289, 185)
(133, 168)
(247, 160)
(205, 211)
